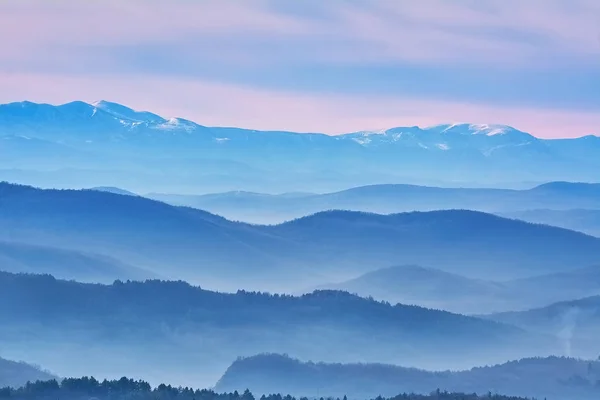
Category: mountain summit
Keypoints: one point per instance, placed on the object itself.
(104, 138)
(121, 111)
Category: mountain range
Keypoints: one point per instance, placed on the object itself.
(65, 263)
(429, 287)
(80, 288)
(159, 329)
(560, 198)
(185, 243)
(79, 144)
(575, 322)
(554, 378)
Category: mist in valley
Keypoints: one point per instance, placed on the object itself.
(259, 200)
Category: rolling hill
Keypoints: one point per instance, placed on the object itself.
(184, 243)
(386, 199)
(169, 241)
(173, 330)
(434, 288)
(66, 264)
(582, 220)
(473, 244)
(576, 323)
(552, 378)
(427, 287)
(17, 374)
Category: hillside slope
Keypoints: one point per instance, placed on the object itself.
(387, 199)
(473, 244)
(582, 220)
(155, 327)
(553, 378)
(184, 243)
(17, 374)
(66, 264)
(576, 323)
(434, 288)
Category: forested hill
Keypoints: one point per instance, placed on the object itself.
(202, 248)
(128, 389)
(14, 373)
(554, 378)
(163, 328)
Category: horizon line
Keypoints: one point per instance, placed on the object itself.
(363, 131)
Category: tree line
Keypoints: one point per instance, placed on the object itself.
(128, 389)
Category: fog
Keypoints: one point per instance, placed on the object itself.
(380, 272)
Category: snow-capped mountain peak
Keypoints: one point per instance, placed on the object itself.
(103, 121)
(126, 113)
(177, 124)
(490, 130)
(373, 132)
(473, 129)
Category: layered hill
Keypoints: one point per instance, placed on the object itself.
(576, 323)
(169, 241)
(429, 287)
(551, 378)
(155, 329)
(559, 198)
(66, 264)
(184, 243)
(470, 243)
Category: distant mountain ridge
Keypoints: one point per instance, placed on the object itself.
(184, 243)
(433, 288)
(576, 323)
(386, 199)
(66, 264)
(96, 136)
(110, 112)
(554, 378)
(158, 329)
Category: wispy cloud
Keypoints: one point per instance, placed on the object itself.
(530, 63)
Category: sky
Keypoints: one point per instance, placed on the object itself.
(330, 66)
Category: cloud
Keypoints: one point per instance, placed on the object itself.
(477, 58)
(436, 30)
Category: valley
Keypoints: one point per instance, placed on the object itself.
(405, 288)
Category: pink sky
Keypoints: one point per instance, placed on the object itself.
(314, 66)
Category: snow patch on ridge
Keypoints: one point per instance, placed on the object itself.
(362, 141)
(376, 132)
(176, 124)
(489, 130)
